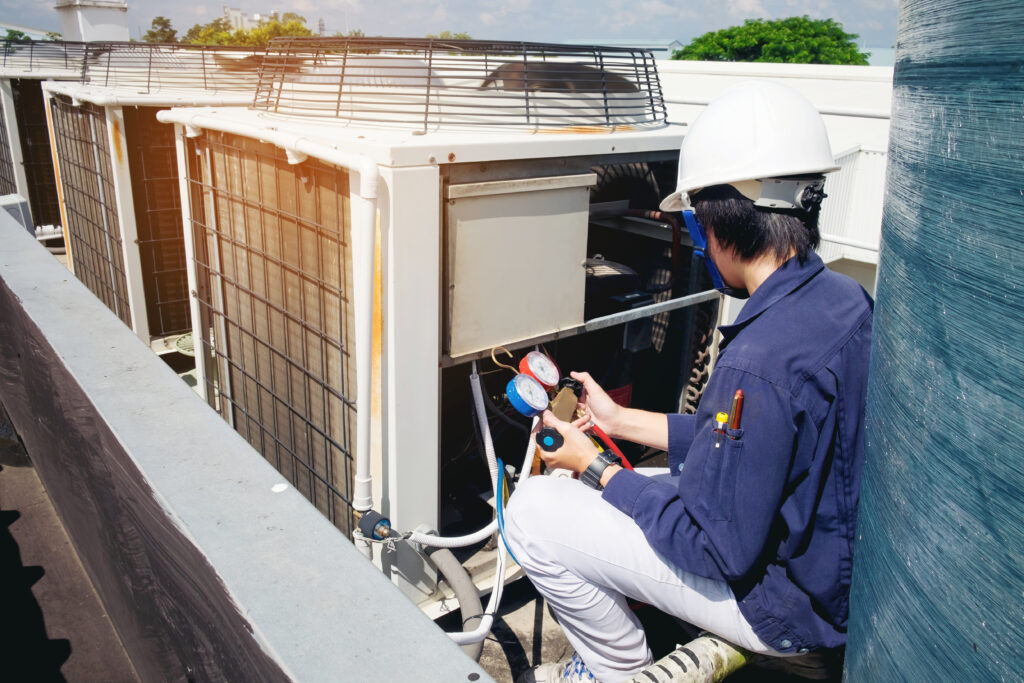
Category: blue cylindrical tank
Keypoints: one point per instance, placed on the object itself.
(938, 587)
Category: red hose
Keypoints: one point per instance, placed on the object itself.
(610, 445)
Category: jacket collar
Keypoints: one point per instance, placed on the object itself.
(786, 279)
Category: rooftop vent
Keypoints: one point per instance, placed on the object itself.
(431, 83)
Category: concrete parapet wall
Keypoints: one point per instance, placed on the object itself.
(209, 565)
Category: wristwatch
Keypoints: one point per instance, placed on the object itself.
(592, 475)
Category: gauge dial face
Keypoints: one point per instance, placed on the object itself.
(531, 391)
(543, 368)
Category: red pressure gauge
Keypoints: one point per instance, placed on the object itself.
(540, 367)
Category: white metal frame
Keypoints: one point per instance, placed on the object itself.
(13, 137)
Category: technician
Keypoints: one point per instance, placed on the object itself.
(752, 536)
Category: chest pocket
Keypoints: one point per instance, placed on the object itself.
(718, 479)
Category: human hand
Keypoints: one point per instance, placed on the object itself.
(577, 451)
(596, 406)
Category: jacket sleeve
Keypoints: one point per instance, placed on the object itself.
(718, 520)
(680, 436)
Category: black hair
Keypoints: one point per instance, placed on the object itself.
(753, 231)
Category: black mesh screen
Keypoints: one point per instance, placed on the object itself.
(35, 150)
(157, 197)
(86, 178)
(8, 185)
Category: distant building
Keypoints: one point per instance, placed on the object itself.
(239, 20)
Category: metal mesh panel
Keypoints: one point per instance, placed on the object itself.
(150, 67)
(8, 185)
(35, 151)
(431, 83)
(274, 279)
(43, 55)
(87, 180)
(143, 66)
(157, 197)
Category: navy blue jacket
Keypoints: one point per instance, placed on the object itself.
(771, 507)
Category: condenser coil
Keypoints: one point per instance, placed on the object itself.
(273, 266)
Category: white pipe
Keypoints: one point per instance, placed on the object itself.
(363, 249)
(485, 430)
(454, 541)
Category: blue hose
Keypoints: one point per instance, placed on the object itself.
(499, 494)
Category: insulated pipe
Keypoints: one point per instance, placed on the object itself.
(465, 592)
(363, 248)
(485, 429)
(453, 541)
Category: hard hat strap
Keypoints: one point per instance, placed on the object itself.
(700, 246)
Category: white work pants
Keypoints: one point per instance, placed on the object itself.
(584, 556)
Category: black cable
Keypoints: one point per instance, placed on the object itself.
(501, 415)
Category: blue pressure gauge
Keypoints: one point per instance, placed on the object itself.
(527, 395)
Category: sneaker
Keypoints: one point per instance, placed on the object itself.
(571, 670)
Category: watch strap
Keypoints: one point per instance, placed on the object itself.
(592, 475)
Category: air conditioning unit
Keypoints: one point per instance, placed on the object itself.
(118, 175)
(17, 207)
(26, 164)
(391, 211)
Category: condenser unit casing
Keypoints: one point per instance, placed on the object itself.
(477, 190)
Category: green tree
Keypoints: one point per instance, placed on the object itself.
(292, 16)
(796, 40)
(220, 32)
(16, 36)
(161, 32)
(217, 32)
(448, 35)
(54, 35)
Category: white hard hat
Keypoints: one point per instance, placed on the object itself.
(754, 131)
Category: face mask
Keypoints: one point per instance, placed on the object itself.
(700, 245)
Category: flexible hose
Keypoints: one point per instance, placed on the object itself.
(485, 428)
(611, 445)
(465, 592)
(499, 576)
(480, 414)
(500, 504)
(454, 541)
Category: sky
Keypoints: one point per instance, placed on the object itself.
(526, 20)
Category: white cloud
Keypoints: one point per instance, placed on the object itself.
(747, 9)
(657, 8)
